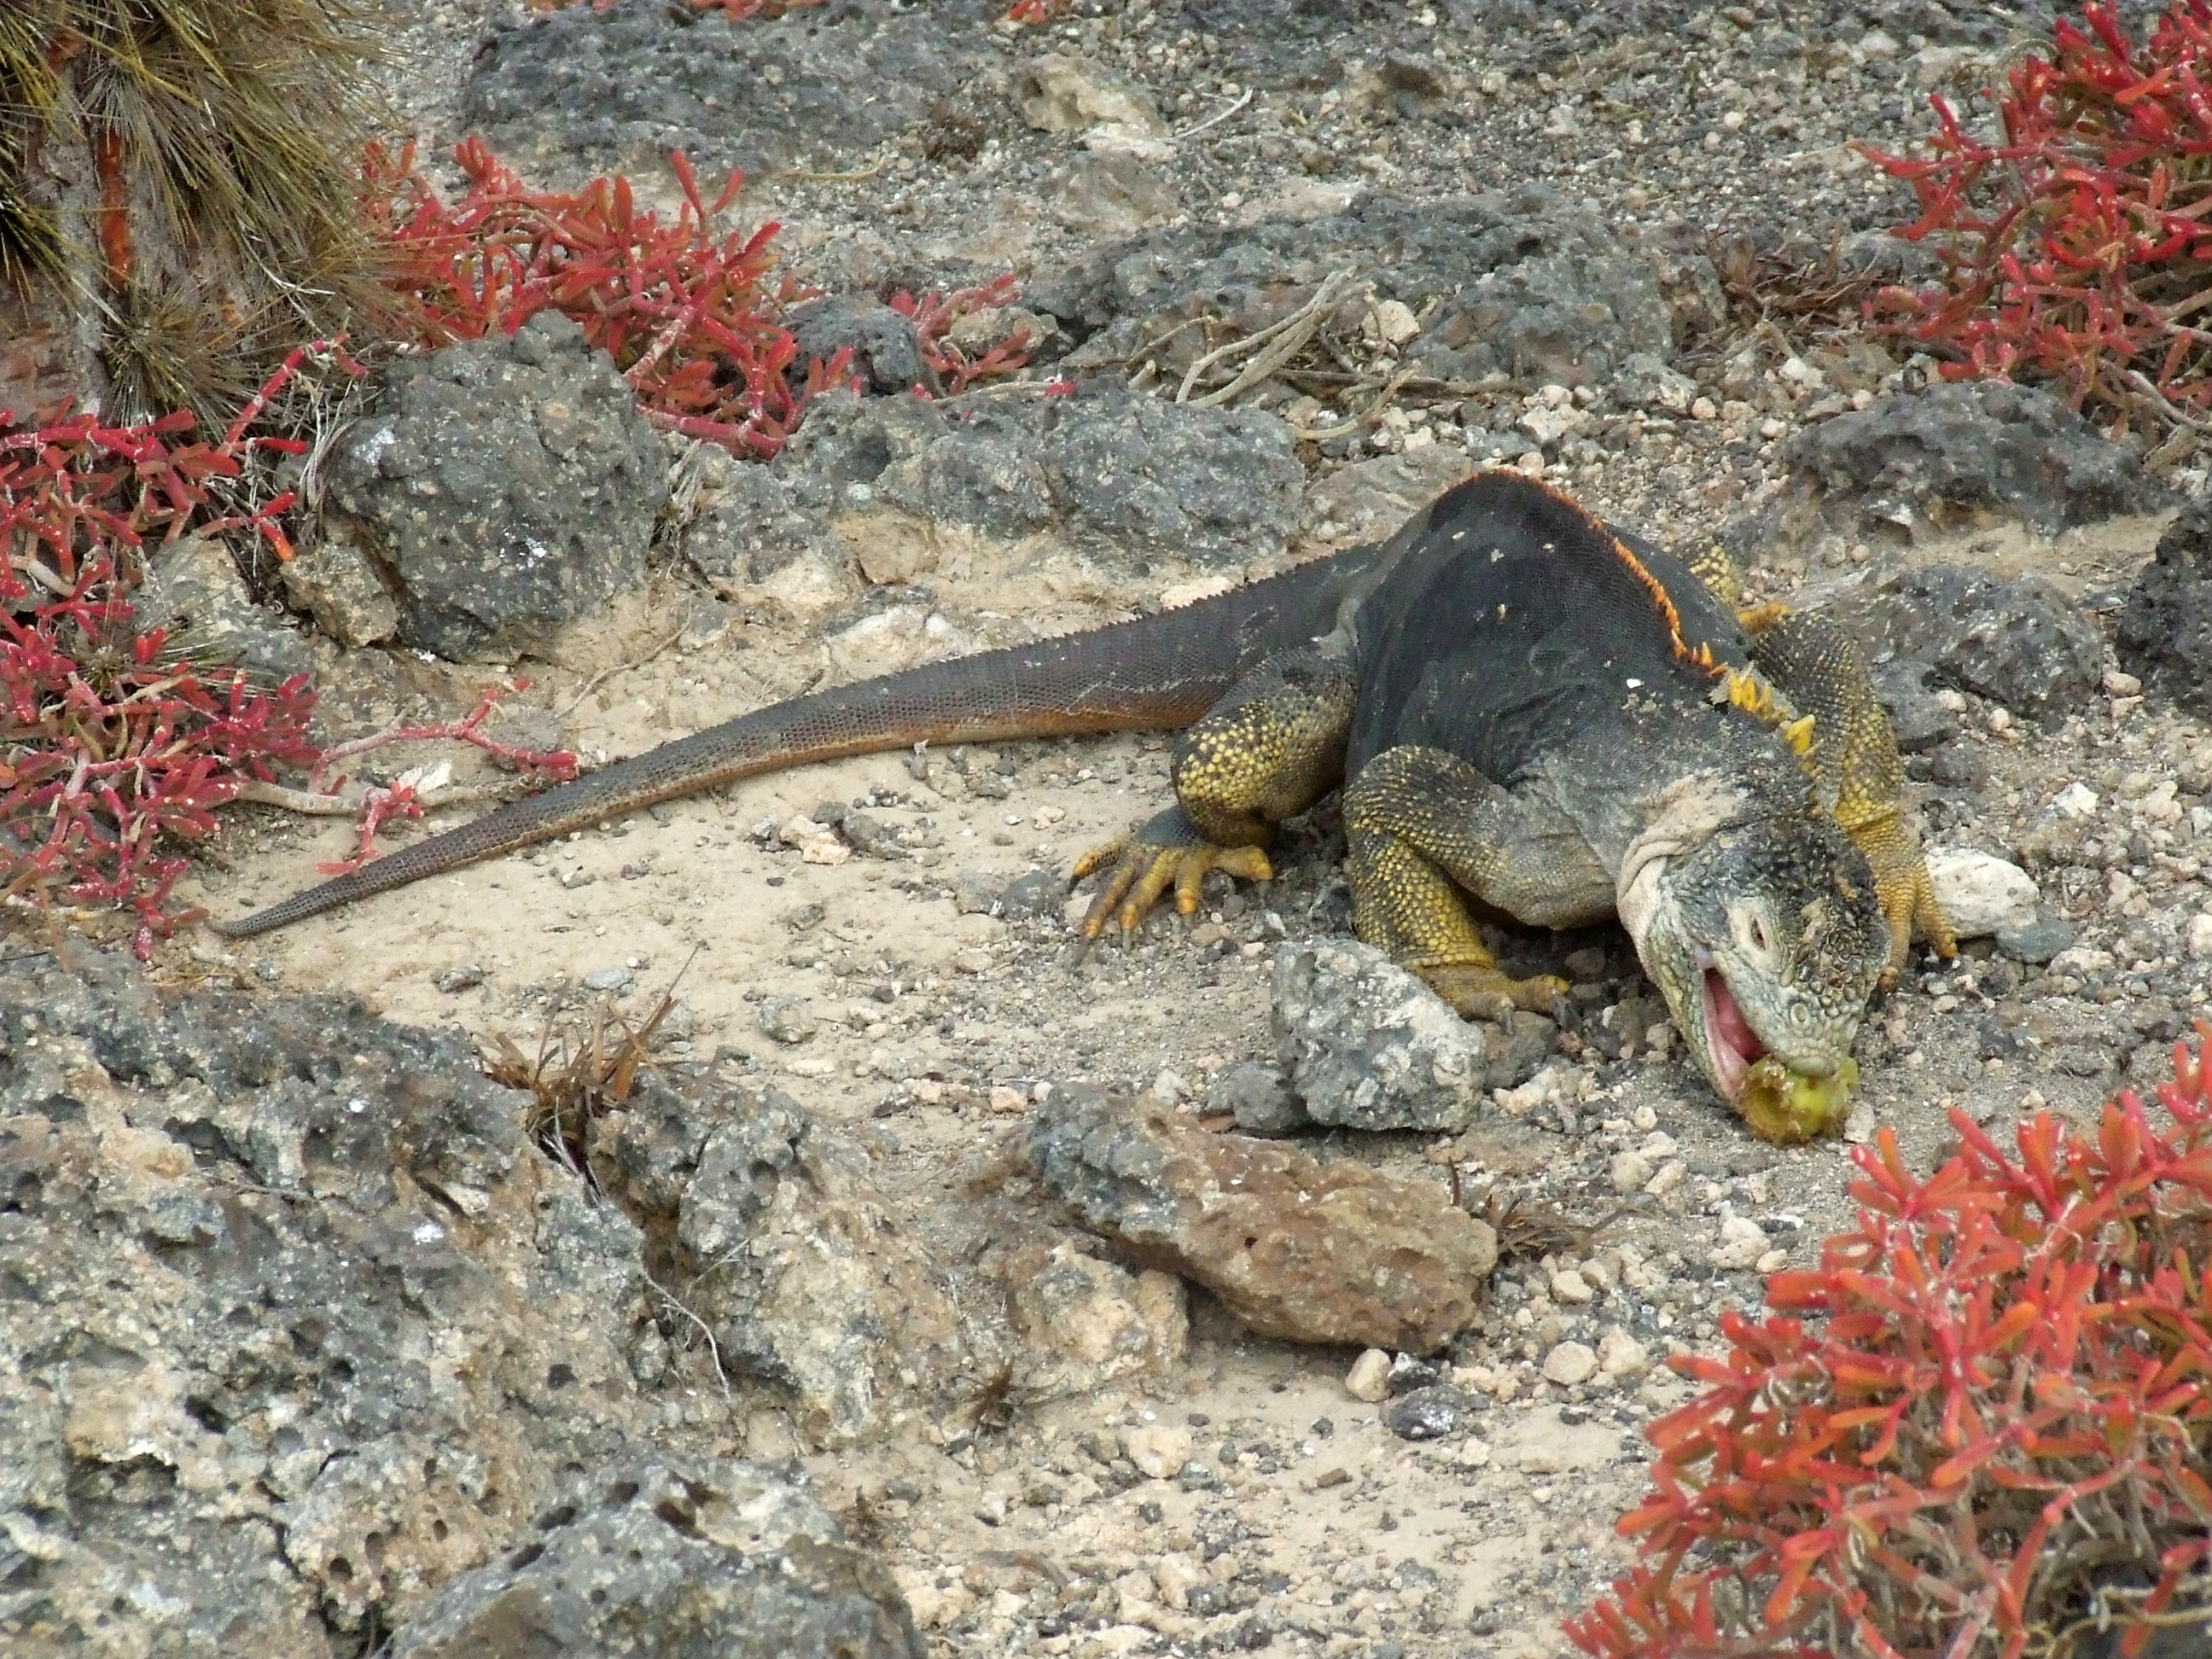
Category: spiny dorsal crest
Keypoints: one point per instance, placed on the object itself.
(1753, 692)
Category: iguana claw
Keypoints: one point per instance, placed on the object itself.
(1164, 854)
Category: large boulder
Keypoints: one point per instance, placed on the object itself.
(605, 88)
(795, 1260)
(1954, 455)
(1298, 1248)
(2166, 630)
(1368, 1046)
(2021, 642)
(297, 1322)
(1521, 282)
(502, 488)
(681, 1558)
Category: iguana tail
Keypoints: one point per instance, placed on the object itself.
(1155, 673)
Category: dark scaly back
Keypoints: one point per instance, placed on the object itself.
(1517, 621)
(1155, 673)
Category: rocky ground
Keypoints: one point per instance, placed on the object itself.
(311, 1346)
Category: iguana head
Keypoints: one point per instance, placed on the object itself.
(1766, 939)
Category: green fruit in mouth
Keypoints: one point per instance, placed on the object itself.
(1788, 1108)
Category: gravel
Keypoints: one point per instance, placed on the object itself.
(1071, 1471)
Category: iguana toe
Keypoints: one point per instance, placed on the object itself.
(1908, 898)
(1481, 992)
(1909, 907)
(1140, 868)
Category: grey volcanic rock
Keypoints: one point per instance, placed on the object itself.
(1960, 453)
(2022, 643)
(299, 1324)
(1521, 282)
(1112, 472)
(2166, 631)
(1368, 1046)
(794, 1260)
(1916, 717)
(503, 488)
(619, 88)
(1258, 1096)
(193, 592)
(886, 353)
(745, 532)
(1298, 1248)
(678, 1557)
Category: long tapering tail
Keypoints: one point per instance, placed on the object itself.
(1155, 673)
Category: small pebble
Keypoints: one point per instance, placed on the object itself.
(1629, 1172)
(787, 1019)
(2197, 940)
(1620, 1356)
(1369, 1379)
(1158, 1450)
(1409, 1373)
(1568, 1363)
(1428, 1414)
(1743, 1241)
(462, 978)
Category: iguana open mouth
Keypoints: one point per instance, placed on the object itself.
(1734, 1047)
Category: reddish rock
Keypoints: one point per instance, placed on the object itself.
(1295, 1248)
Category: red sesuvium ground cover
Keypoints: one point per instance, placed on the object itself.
(1984, 1418)
(2077, 242)
(112, 751)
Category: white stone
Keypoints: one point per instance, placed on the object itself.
(1570, 1287)
(1631, 1172)
(1568, 1363)
(2081, 960)
(1158, 1450)
(1550, 425)
(1743, 1241)
(2198, 939)
(1395, 323)
(1979, 892)
(1369, 1379)
(1671, 1175)
(1620, 1356)
(2076, 800)
(2122, 685)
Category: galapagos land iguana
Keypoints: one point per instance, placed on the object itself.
(1520, 704)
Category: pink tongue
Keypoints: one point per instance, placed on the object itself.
(1728, 1023)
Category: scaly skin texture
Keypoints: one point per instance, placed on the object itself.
(1566, 725)
(1157, 673)
(1523, 706)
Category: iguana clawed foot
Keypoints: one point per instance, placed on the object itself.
(1482, 991)
(1908, 896)
(1141, 867)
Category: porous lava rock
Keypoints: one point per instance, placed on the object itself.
(1368, 1046)
(501, 487)
(1961, 454)
(675, 1557)
(2165, 634)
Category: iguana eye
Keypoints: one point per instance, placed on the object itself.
(1755, 934)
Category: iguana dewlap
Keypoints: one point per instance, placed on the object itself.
(1521, 706)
